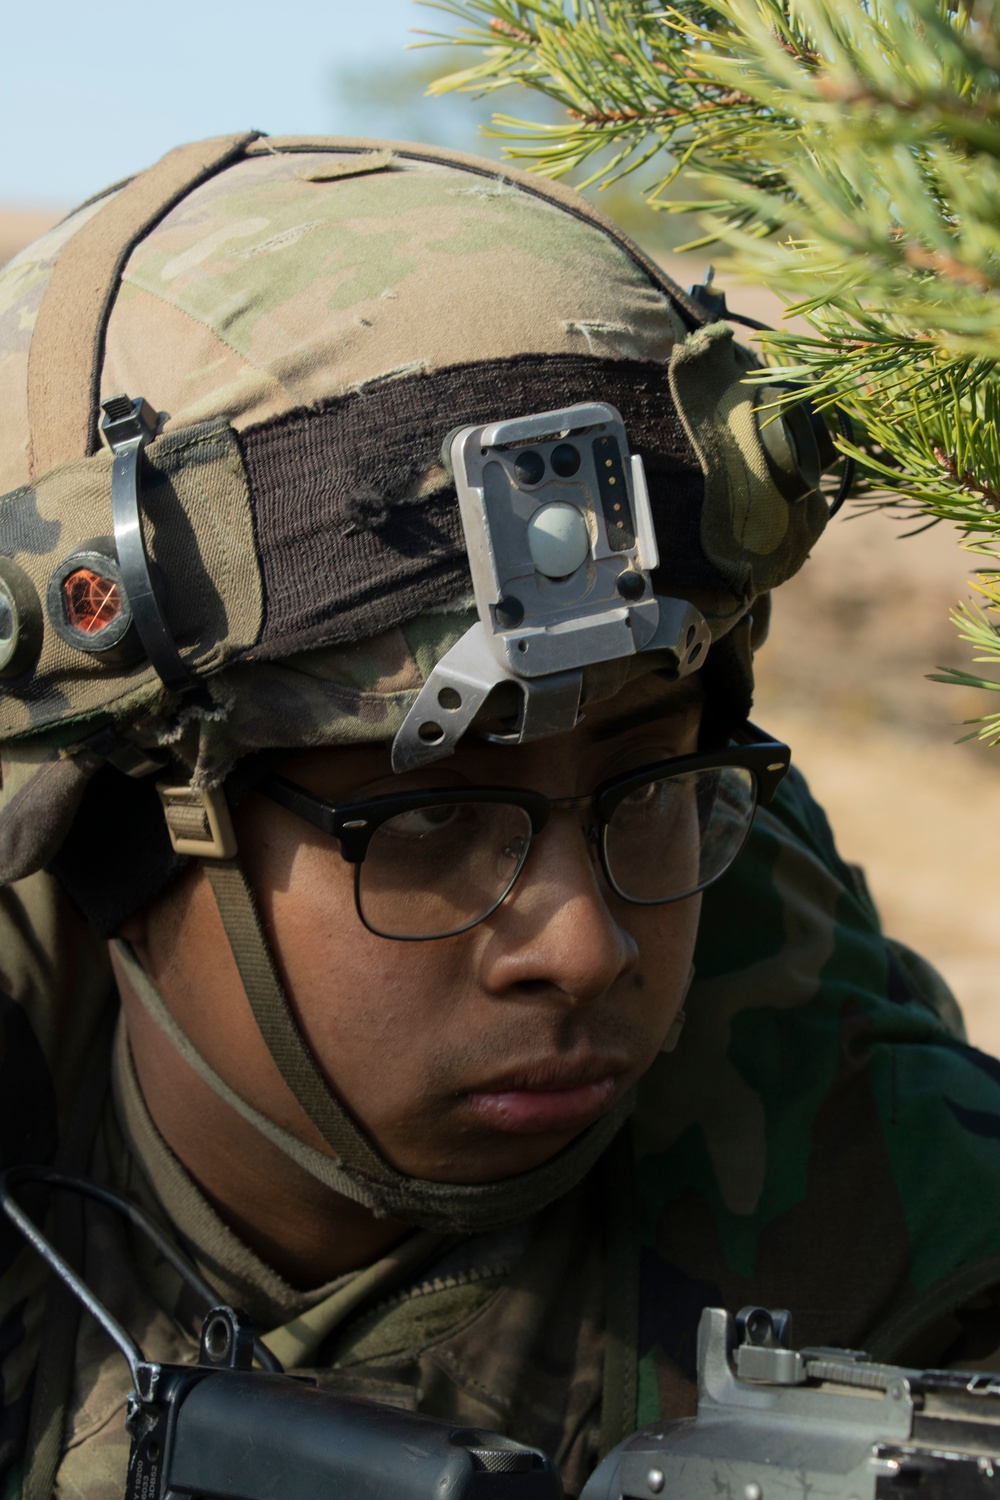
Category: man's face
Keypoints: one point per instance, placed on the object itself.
(467, 1058)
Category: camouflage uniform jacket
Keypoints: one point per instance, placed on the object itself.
(822, 1139)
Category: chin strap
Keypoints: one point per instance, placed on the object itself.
(353, 1167)
(277, 1024)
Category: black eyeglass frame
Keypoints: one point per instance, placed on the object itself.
(354, 824)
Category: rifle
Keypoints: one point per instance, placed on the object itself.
(772, 1422)
(223, 1429)
(220, 1428)
(817, 1424)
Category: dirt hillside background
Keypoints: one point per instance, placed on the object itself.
(842, 678)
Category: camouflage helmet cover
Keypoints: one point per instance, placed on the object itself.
(308, 317)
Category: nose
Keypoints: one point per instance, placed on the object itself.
(558, 930)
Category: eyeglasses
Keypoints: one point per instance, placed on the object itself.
(433, 863)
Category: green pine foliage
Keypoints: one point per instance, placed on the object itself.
(847, 153)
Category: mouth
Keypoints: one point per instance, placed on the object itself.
(544, 1099)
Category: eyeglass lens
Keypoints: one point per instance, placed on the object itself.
(436, 870)
(672, 837)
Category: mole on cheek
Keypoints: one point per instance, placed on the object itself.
(638, 981)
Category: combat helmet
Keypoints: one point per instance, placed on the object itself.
(227, 528)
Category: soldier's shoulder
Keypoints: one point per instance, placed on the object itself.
(54, 990)
(822, 1138)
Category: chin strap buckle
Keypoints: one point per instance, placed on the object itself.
(127, 426)
(198, 821)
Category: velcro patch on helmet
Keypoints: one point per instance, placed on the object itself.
(333, 170)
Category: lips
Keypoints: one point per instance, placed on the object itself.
(547, 1098)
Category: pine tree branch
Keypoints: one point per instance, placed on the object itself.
(968, 480)
(848, 154)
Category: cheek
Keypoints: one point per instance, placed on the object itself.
(665, 936)
(371, 1009)
(400, 1029)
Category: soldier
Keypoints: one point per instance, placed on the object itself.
(399, 1060)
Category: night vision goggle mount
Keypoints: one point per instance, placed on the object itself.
(561, 548)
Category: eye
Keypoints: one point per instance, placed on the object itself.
(651, 792)
(421, 821)
(641, 750)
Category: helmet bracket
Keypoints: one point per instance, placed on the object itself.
(457, 690)
(127, 426)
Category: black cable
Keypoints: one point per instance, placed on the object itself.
(129, 1348)
(192, 1278)
(850, 466)
(735, 317)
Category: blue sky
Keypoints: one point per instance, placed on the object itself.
(93, 90)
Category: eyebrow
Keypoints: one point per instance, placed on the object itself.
(687, 697)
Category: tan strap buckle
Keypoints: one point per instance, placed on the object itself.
(198, 821)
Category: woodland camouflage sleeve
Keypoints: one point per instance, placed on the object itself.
(54, 990)
(822, 1139)
(27, 1134)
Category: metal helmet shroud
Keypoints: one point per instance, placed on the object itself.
(306, 319)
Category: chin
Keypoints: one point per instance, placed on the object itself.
(486, 1161)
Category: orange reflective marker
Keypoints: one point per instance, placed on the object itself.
(92, 601)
